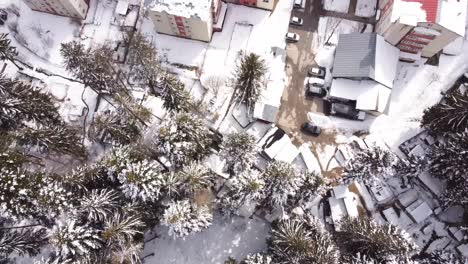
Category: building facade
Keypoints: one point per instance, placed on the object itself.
(186, 18)
(69, 8)
(263, 4)
(421, 27)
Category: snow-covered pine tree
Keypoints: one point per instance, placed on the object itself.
(15, 193)
(412, 166)
(51, 198)
(121, 230)
(364, 236)
(73, 242)
(248, 79)
(10, 159)
(312, 185)
(184, 218)
(118, 159)
(21, 241)
(370, 163)
(117, 127)
(7, 52)
(174, 94)
(56, 139)
(183, 138)
(246, 188)
(239, 150)
(99, 205)
(302, 240)
(448, 116)
(141, 181)
(281, 182)
(258, 258)
(127, 254)
(194, 177)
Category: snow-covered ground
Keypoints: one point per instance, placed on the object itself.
(366, 8)
(236, 237)
(341, 6)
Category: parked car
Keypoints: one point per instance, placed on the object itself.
(298, 3)
(318, 72)
(315, 81)
(311, 129)
(347, 111)
(297, 21)
(317, 91)
(292, 37)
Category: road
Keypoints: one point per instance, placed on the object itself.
(294, 105)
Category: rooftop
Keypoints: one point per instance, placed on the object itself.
(184, 8)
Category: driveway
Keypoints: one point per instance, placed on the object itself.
(294, 105)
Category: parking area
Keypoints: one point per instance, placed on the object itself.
(300, 57)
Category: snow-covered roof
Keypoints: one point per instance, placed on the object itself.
(122, 7)
(265, 112)
(366, 55)
(391, 215)
(338, 211)
(340, 191)
(350, 202)
(420, 212)
(310, 160)
(183, 8)
(368, 94)
(450, 14)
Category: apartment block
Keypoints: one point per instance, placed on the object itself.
(68, 8)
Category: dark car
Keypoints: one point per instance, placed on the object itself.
(311, 129)
(318, 72)
(347, 111)
(316, 90)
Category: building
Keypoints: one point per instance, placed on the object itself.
(263, 4)
(187, 18)
(364, 69)
(421, 27)
(68, 8)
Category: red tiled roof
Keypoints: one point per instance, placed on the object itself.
(430, 6)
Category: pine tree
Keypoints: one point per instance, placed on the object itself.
(312, 185)
(239, 150)
(56, 139)
(121, 229)
(364, 236)
(99, 205)
(194, 177)
(74, 242)
(127, 254)
(247, 188)
(21, 241)
(141, 181)
(448, 116)
(258, 258)
(302, 240)
(174, 94)
(370, 163)
(248, 79)
(184, 218)
(7, 52)
(281, 181)
(183, 138)
(15, 193)
(412, 166)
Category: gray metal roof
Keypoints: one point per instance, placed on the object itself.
(355, 56)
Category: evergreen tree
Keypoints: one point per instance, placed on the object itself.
(281, 181)
(183, 138)
(7, 52)
(239, 150)
(99, 205)
(302, 240)
(370, 163)
(412, 166)
(364, 236)
(450, 115)
(141, 181)
(73, 242)
(56, 139)
(247, 188)
(21, 241)
(184, 218)
(312, 185)
(174, 94)
(15, 193)
(194, 177)
(121, 230)
(249, 78)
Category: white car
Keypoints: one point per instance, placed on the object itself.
(292, 37)
(296, 21)
(316, 81)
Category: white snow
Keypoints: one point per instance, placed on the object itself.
(236, 238)
(310, 160)
(452, 15)
(341, 6)
(366, 8)
(386, 61)
(420, 212)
